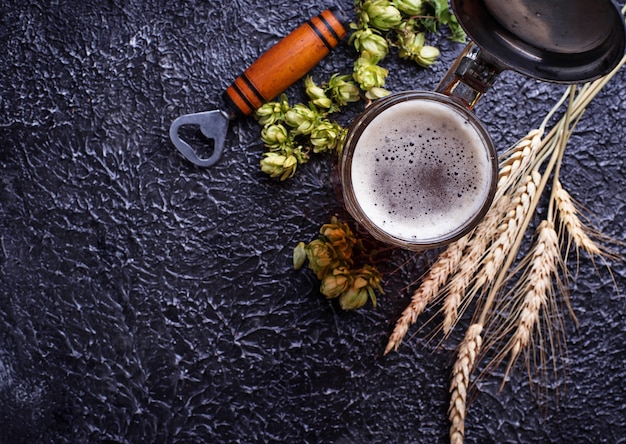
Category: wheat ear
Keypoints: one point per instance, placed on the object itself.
(456, 288)
(466, 359)
(570, 220)
(481, 267)
(428, 290)
(508, 229)
(516, 161)
(545, 260)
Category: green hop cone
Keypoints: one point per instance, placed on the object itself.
(366, 282)
(322, 257)
(336, 230)
(412, 46)
(316, 94)
(342, 90)
(301, 119)
(409, 7)
(427, 56)
(325, 136)
(367, 73)
(369, 40)
(410, 43)
(279, 165)
(355, 296)
(301, 154)
(380, 14)
(272, 112)
(340, 237)
(275, 136)
(266, 114)
(374, 280)
(335, 283)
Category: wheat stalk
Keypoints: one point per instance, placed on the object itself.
(486, 252)
(551, 148)
(463, 366)
(480, 264)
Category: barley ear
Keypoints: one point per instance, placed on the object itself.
(466, 359)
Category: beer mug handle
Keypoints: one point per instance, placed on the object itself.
(470, 76)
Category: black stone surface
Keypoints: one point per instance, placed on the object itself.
(143, 299)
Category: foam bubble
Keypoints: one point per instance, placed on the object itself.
(420, 170)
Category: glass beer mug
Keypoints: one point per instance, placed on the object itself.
(418, 168)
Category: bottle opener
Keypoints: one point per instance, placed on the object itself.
(272, 73)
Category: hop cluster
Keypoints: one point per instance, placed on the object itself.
(332, 259)
(290, 133)
(399, 23)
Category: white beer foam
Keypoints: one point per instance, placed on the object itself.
(420, 170)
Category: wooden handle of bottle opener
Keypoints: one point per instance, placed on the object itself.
(286, 62)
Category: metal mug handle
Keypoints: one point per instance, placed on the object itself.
(470, 76)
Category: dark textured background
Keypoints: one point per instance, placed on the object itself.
(143, 299)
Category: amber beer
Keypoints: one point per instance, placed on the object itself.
(418, 170)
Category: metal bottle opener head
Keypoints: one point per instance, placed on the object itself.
(213, 126)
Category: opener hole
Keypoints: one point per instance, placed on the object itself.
(203, 146)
